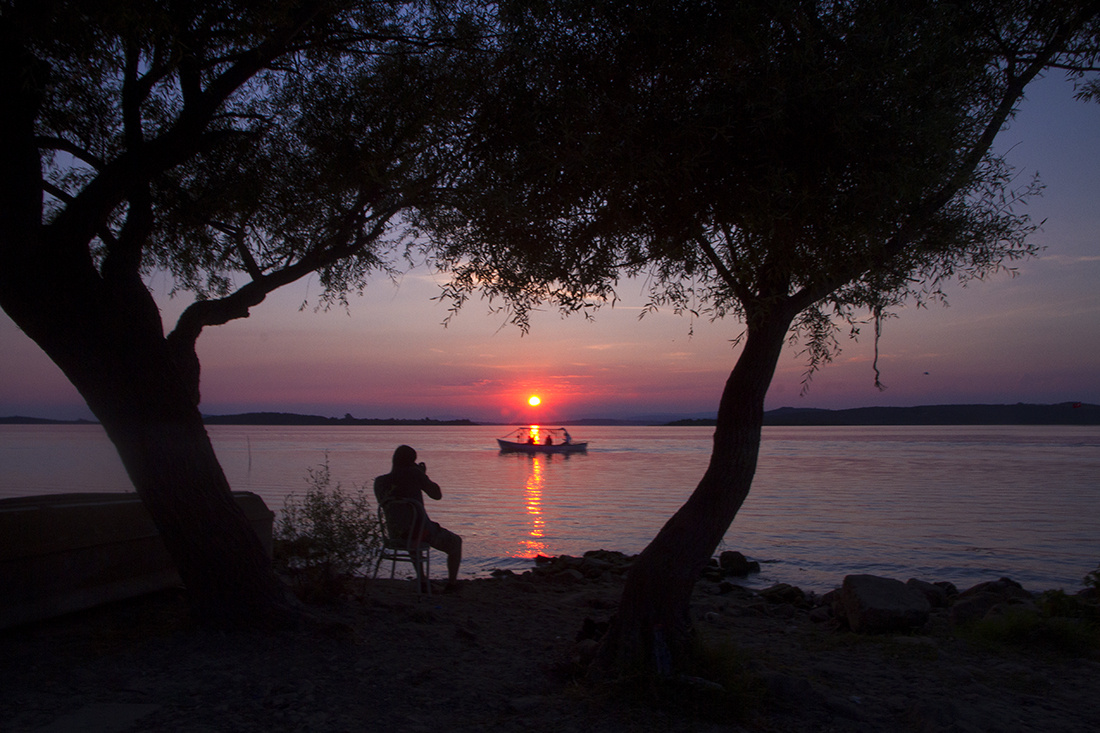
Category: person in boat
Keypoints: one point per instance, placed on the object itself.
(409, 480)
(567, 439)
(549, 440)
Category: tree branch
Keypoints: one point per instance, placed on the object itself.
(78, 223)
(349, 239)
(926, 209)
(1004, 110)
(49, 142)
(739, 290)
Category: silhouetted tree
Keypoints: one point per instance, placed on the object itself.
(792, 164)
(239, 146)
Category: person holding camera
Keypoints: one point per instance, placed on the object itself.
(409, 480)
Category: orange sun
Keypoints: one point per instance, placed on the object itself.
(533, 401)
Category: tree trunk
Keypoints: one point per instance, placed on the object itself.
(652, 631)
(108, 340)
(104, 331)
(146, 401)
(227, 573)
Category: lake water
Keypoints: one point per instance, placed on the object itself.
(963, 504)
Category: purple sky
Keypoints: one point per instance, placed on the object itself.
(1033, 338)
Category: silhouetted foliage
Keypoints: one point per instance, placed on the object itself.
(239, 146)
(800, 166)
(327, 537)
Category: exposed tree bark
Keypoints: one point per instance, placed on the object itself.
(652, 629)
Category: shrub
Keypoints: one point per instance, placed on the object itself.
(326, 537)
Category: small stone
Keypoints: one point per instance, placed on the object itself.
(584, 652)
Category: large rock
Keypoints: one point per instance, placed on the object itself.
(871, 604)
(974, 604)
(595, 565)
(734, 563)
(1006, 588)
(966, 610)
(785, 593)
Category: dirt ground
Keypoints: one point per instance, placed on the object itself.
(499, 656)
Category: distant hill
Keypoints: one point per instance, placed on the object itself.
(20, 420)
(259, 418)
(1066, 413)
(291, 419)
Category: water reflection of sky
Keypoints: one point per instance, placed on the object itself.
(534, 543)
(964, 504)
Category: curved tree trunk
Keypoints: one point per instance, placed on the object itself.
(146, 403)
(104, 331)
(651, 633)
(109, 342)
(160, 436)
(227, 573)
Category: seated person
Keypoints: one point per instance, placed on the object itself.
(409, 480)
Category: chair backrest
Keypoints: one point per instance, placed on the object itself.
(403, 521)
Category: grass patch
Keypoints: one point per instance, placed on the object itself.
(718, 687)
(735, 692)
(1034, 631)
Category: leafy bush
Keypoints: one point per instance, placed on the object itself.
(326, 537)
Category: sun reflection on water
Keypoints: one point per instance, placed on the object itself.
(534, 543)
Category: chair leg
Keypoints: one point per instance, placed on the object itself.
(421, 562)
(423, 582)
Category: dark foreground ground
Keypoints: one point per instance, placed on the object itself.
(500, 656)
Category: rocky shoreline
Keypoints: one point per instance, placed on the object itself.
(502, 655)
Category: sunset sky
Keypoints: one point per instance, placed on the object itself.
(1033, 338)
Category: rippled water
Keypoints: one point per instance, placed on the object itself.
(940, 503)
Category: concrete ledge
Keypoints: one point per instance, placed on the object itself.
(67, 552)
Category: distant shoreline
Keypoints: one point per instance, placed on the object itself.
(262, 418)
(1065, 413)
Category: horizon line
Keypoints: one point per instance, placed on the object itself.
(652, 419)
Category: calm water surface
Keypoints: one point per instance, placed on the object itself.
(939, 503)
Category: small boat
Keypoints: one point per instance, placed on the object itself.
(535, 439)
